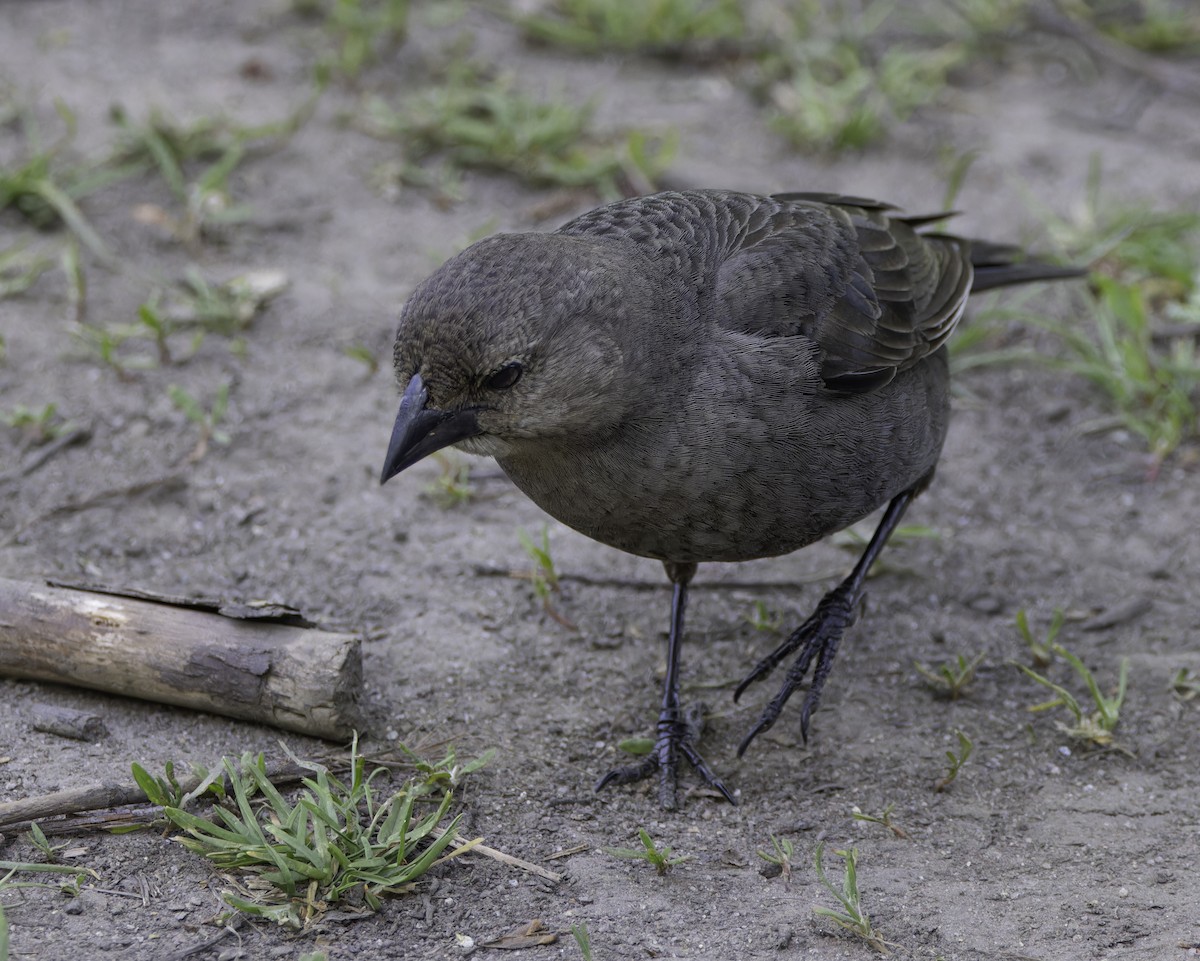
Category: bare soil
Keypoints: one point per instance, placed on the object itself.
(1041, 848)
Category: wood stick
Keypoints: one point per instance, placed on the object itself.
(516, 862)
(17, 814)
(68, 722)
(113, 798)
(299, 679)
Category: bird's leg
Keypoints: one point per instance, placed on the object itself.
(677, 730)
(819, 636)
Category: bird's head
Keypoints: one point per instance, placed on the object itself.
(514, 339)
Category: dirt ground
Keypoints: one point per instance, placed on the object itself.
(1039, 849)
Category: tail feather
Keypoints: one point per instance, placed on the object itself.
(1001, 265)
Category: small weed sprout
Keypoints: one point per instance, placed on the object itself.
(365, 356)
(20, 269)
(46, 191)
(105, 343)
(580, 933)
(956, 760)
(36, 426)
(206, 420)
(1041, 650)
(781, 856)
(952, 678)
(678, 29)
(477, 121)
(1092, 728)
(661, 858)
(39, 840)
(72, 879)
(855, 538)
(339, 844)
(160, 328)
(360, 32)
(452, 486)
(196, 162)
(884, 818)
(831, 84)
(1146, 266)
(1152, 26)
(1185, 685)
(194, 308)
(763, 619)
(1155, 393)
(77, 288)
(852, 917)
(166, 791)
(543, 577)
(225, 308)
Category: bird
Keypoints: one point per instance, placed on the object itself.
(703, 375)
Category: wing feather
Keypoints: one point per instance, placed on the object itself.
(872, 292)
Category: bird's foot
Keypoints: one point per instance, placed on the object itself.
(678, 732)
(818, 637)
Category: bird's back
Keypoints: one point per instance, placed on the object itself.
(872, 293)
(792, 376)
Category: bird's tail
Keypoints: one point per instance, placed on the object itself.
(1001, 265)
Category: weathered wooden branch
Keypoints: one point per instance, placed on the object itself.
(87, 797)
(296, 678)
(113, 798)
(68, 722)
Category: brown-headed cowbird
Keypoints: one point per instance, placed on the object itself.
(702, 376)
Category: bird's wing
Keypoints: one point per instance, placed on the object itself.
(846, 272)
(874, 294)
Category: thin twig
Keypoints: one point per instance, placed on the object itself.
(31, 463)
(166, 483)
(231, 927)
(110, 795)
(516, 862)
(568, 852)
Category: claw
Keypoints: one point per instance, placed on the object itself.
(819, 636)
(676, 735)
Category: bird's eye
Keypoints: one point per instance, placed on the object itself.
(504, 377)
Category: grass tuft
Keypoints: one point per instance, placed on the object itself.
(651, 853)
(207, 420)
(38, 426)
(196, 161)
(473, 120)
(1142, 351)
(957, 759)
(884, 818)
(45, 188)
(952, 678)
(852, 916)
(781, 855)
(344, 845)
(1095, 727)
(356, 34)
(675, 29)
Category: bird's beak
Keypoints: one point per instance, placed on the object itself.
(420, 430)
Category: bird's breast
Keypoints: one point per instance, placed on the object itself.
(729, 481)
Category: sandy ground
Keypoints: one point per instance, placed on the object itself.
(1039, 850)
